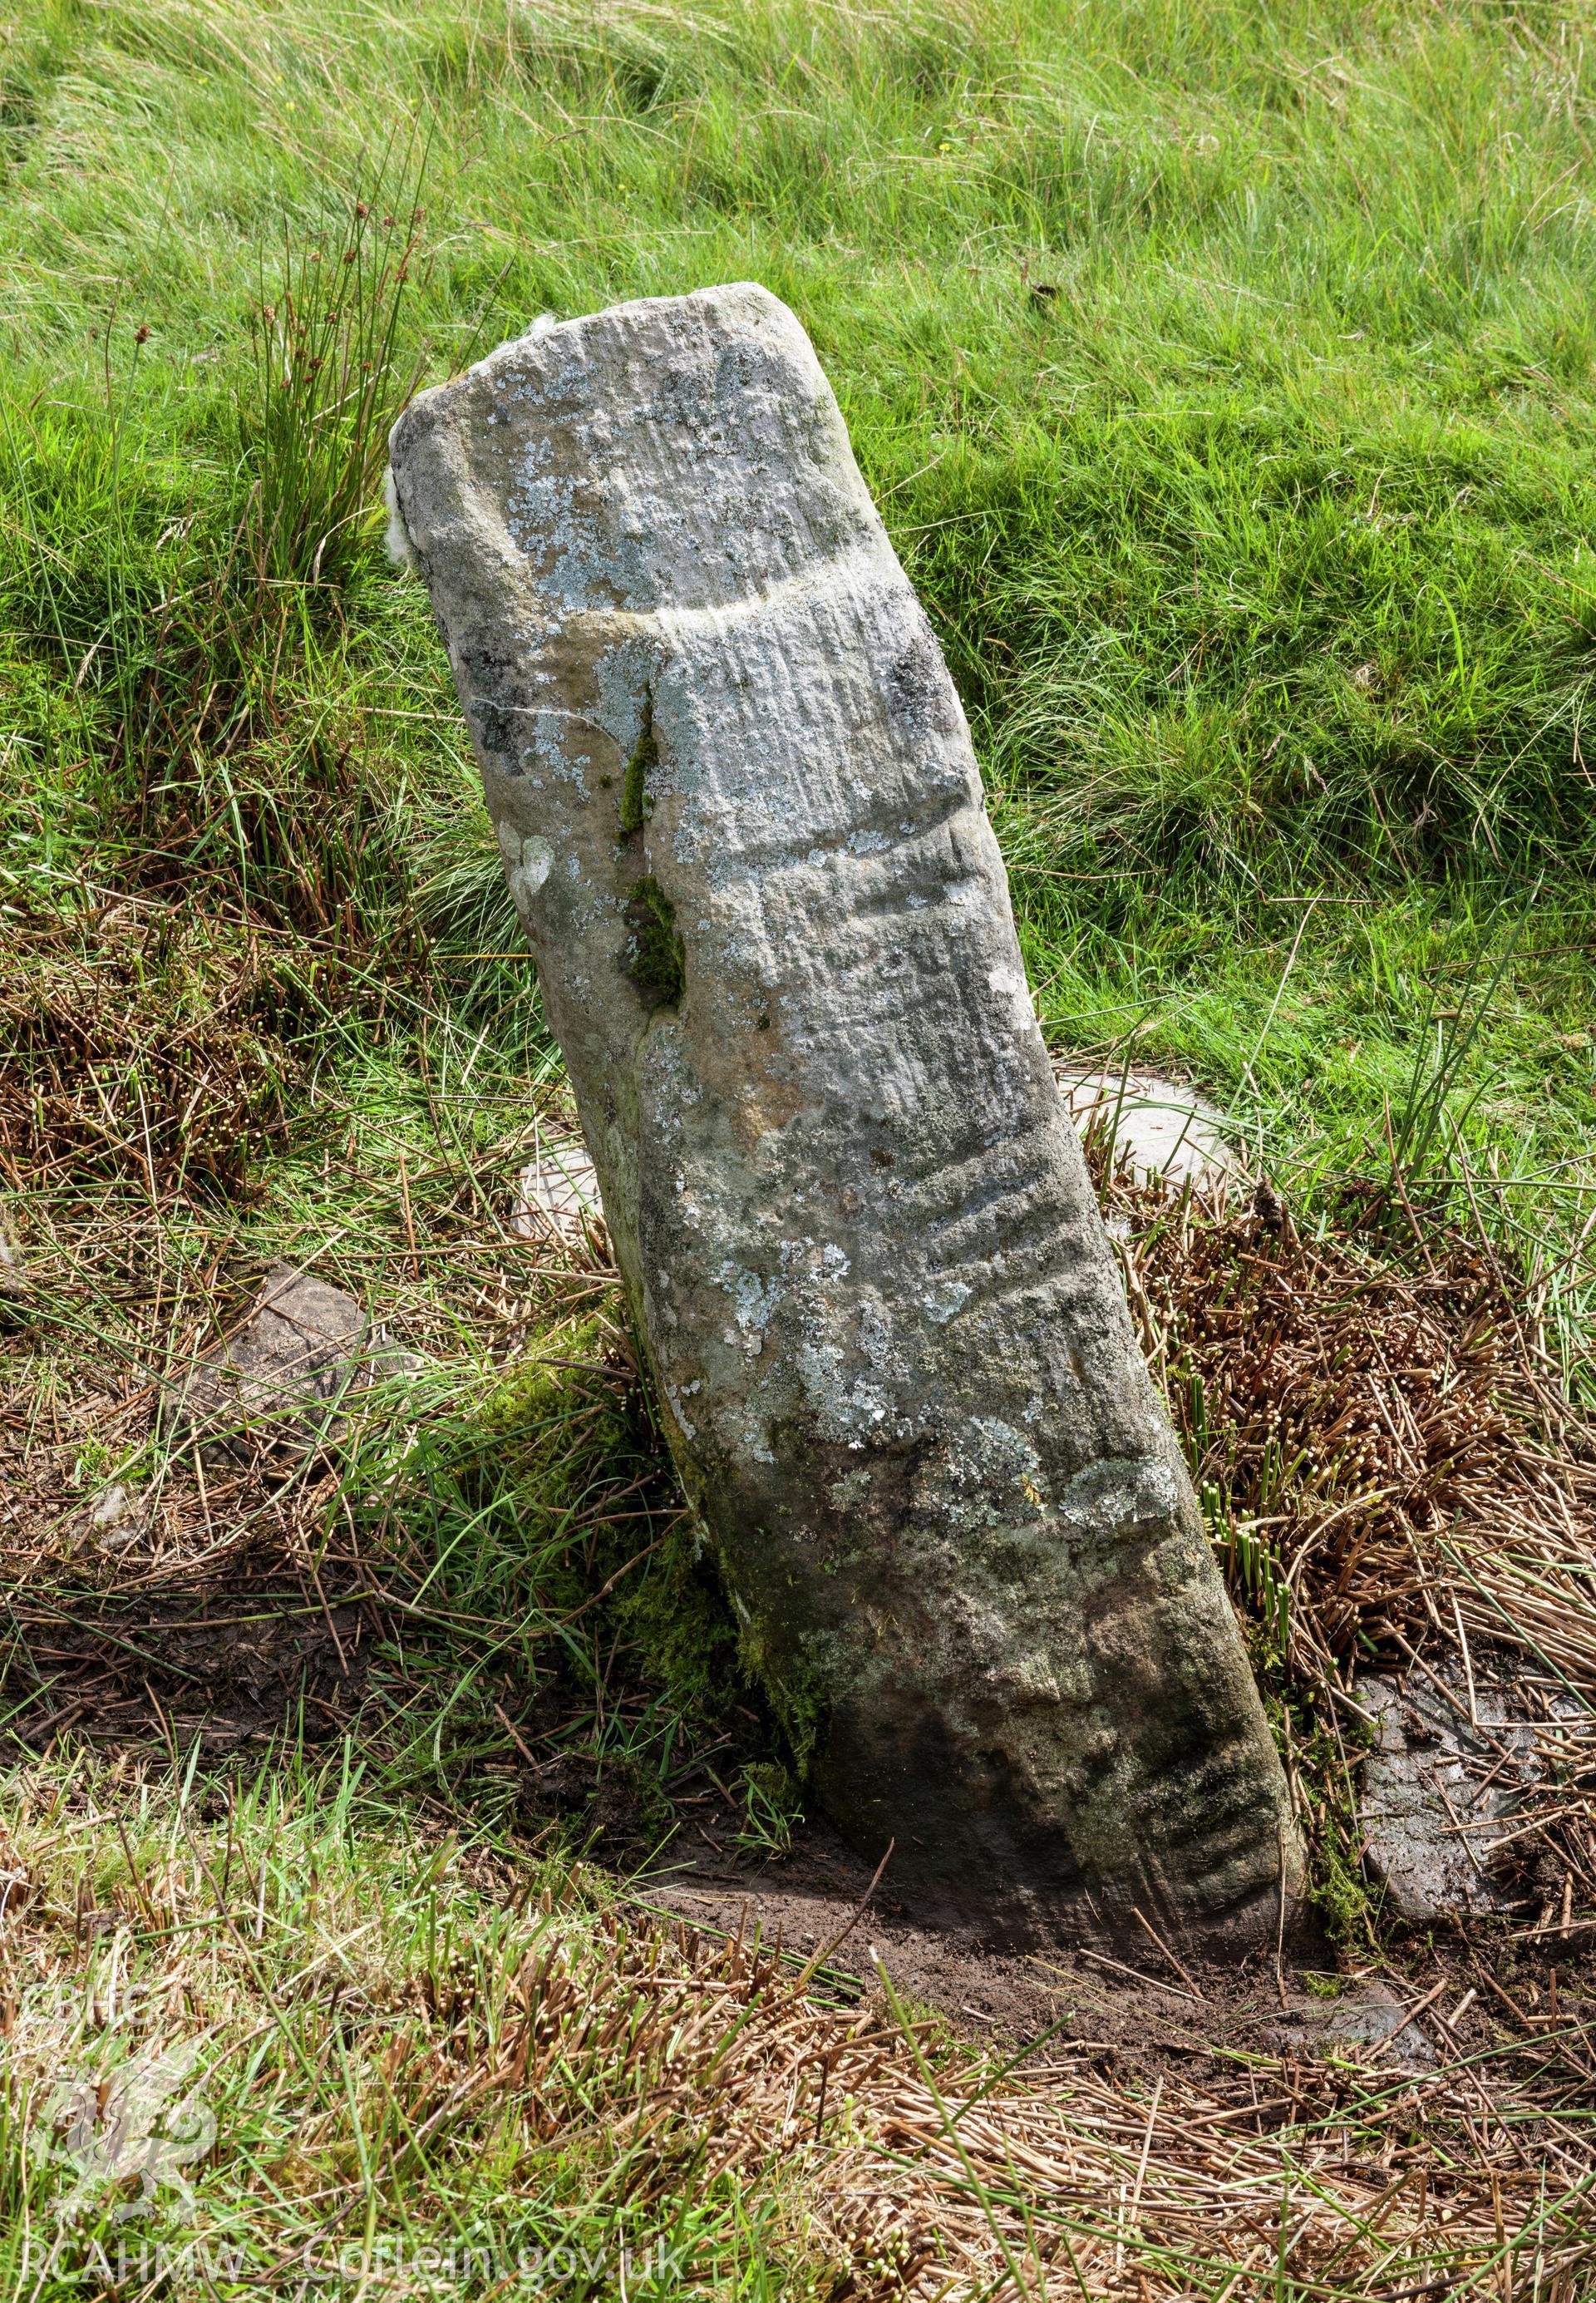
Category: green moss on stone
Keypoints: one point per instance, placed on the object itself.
(636, 804)
(568, 1439)
(796, 1694)
(654, 959)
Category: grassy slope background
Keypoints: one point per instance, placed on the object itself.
(1225, 376)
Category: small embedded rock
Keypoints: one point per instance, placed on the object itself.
(275, 1383)
(1437, 1793)
(1157, 1129)
(117, 1518)
(557, 1194)
(1366, 2018)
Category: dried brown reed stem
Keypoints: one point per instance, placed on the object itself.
(1389, 1457)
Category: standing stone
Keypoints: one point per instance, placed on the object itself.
(742, 822)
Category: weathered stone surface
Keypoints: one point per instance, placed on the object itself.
(741, 821)
(275, 1382)
(1364, 2020)
(1438, 1793)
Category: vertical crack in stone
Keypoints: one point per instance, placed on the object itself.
(637, 802)
(654, 958)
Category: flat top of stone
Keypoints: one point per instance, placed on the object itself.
(623, 452)
(298, 1325)
(313, 1305)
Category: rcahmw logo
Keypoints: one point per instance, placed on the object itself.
(143, 2119)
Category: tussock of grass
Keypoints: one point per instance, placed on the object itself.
(390, 2033)
(1367, 1409)
(327, 385)
(1387, 1463)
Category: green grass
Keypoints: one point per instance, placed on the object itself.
(369, 2006)
(1225, 375)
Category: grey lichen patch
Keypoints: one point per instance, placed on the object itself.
(528, 861)
(653, 957)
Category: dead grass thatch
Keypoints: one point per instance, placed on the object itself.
(1387, 1455)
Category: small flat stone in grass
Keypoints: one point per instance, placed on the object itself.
(1364, 2021)
(277, 1379)
(557, 1191)
(116, 1519)
(1155, 1126)
(1437, 1794)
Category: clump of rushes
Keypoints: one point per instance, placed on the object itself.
(327, 385)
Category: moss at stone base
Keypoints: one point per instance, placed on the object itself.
(1325, 1755)
(797, 1695)
(570, 1436)
(677, 1615)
